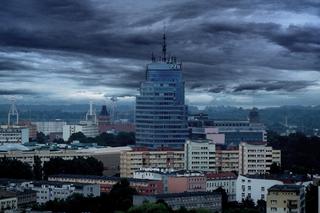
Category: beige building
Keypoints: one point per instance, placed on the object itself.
(110, 156)
(138, 158)
(256, 158)
(227, 160)
(286, 198)
(200, 155)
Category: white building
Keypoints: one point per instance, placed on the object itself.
(8, 202)
(13, 134)
(89, 130)
(256, 158)
(48, 127)
(200, 155)
(209, 133)
(225, 180)
(254, 188)
(47, 190)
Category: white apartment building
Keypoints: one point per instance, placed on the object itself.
(89, 130)
(8, 202)
(225, 180)
(48, 190)
(256, 158)
(200, 155)
(13, 134)
(255, 188)
(131, 161)
(48, 127)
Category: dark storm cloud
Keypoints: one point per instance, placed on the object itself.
(288, 86)
(221, 43)
(16, 92)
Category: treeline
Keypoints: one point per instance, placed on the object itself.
(15, 169)
(106, 139)
(299, 154)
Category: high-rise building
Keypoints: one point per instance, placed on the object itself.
(161, 113)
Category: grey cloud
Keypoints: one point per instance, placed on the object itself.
(17, 92)
(288, 86)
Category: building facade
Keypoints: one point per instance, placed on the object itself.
(286, 198)
(255, 188)
(200, 155)
(227, 159)
(256, 158)
(138, 158)
(225, 180)
(161, 113)
(187, 182)
(211, 201)
(228, 132)
(47, 127)
(13, 134)
(143, 186)
(88, 129)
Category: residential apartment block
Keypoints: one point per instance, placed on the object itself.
(286, 198)
(256, 158)
(200, 155)
(162, 158)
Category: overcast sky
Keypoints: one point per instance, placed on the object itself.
(237, 52)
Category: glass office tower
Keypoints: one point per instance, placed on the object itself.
(161, 113)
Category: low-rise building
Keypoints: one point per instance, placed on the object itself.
(225, 180)
(8, 201)
(254, 187)
(211, 201)
(89, 129)
(44, 191)
(286, 198)
(47, 127)
(14, 134)
(139, 157)
(143, 186)
(187, 181)
(200, 155)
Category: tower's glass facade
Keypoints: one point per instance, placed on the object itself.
(161, 113)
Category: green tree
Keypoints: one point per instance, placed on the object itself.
(275, 168)
(78, 136)
(123, 194)
(37, 168)
(41, 137)
(149, 208)
(80, 166)
(311, 198)
(14, 169)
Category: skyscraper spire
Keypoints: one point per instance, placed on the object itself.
(164, 47)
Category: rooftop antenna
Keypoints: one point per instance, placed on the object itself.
(164, 45)
(13, 112)
(91, 114)
(114, 100)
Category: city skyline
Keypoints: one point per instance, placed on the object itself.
(241, 53)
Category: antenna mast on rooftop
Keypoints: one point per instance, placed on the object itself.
(13, 112)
